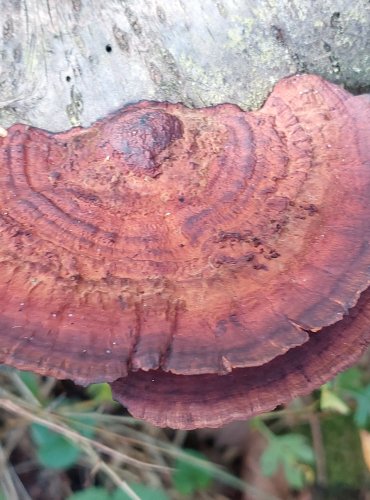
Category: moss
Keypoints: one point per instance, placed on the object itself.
(344, 462)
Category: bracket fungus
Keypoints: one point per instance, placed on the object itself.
(209, 263)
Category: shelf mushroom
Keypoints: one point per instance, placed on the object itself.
(209, 263)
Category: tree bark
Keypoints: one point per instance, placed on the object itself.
(70, 63)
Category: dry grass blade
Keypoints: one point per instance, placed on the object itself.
(6, 481)
(23, 388)
(85, 443)
(49, 421)
(73, 425)
(140, 438)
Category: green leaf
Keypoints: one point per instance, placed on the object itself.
(92, 493)
(101, 393)
(54, 451)
(270, 459)
(31, 380)
(189, 477)
(292, 446)
(85, 425)
(330, 401)
(362, 412)
(350, 379)
(62, 455)
(288, 451)
(41, 435)
(142, 491)
(294, 476)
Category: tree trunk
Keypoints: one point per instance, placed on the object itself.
(69, 63)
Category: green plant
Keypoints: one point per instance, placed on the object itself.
(290, 451)
(188, 477)
(53, 450)
(121, 455)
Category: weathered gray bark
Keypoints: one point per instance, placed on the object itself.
(69, 62)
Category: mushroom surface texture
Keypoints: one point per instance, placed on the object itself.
(209, 263)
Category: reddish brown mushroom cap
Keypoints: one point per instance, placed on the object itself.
(190, 401)
(185, 242)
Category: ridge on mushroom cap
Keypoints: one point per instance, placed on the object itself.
(191, 401)
(191, 241)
